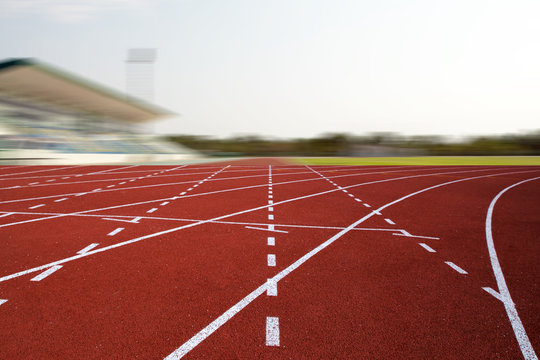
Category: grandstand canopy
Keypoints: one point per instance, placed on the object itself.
(33, 81)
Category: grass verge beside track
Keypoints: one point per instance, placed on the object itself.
(424, 160)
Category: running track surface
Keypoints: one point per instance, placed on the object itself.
(266, 261)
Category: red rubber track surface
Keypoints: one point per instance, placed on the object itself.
(176, 247)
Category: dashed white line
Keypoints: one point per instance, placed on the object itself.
(110, 186)
(272, 331)
(358, 200)
(270, 217)
(87, 249)
(164, 203)
(115, 231)
(183, 193)
(271, 260)
(36, 206)
(46, 273)
(455, 267)
(62, 199)
(271, 241)
(427, 247)
(366, 205)
(151, 210)
(271, 287)
(271, 208)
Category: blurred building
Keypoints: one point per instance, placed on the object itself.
(48, 116)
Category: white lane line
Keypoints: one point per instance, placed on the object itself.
(115, 231)
(65, 177)
(3, 301)
(492, 292)
(271, 241)
(151, 210)
(80, 194)
(427, 247)
(164, 203)
(62, 199)
(271, 287)
(36, 206)
(87, 249)
(519, 331)
(122, 183)
(6, 214)
(96, 189)
(271, 260)
(367, 205)
(390, 221)
(270, 217)
(272, 331)
(128, 242)
(51, 180)
(455, 267)
(183, 193)
(46, 273)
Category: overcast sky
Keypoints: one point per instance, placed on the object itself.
(298, 68)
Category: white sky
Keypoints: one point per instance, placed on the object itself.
(298, 68)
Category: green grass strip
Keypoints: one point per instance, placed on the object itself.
(424, 160)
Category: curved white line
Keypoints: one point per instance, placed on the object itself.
(519, 331)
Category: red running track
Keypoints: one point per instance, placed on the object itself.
(226, 261)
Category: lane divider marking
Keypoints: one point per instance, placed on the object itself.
(390, 221)
(271, 241)
(272, 331)
(271, 287)
(151, 210)
(271, 260)
(427, 247)
(115, 231)
(36, 206)
(87, 249)
(455, 267)
(58, 200)
(46, 273)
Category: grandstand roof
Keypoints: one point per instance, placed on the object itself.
(33, 80)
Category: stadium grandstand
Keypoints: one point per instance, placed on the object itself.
(48, 116)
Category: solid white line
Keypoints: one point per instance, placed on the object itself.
(272, 331)
(6, 214)
(122, 220)
(62, 199)
(390, 221)
(455, 267)
(87, 249)
(115, 231)
(36, 206)
(271, 241)
(271, 260)
(151, 210)
(46, 273)
(427, 247)
(519, 331)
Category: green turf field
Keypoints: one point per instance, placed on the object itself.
(424, 160)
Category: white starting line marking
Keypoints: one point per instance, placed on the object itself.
(151, 210)
(62, 199)
(3, 301)
(164, 203)
(492, 292)
(270, 217)
(46, 273)
(115, 231)
(36, 206)
(390, 221)
(271, 241)
(87, 249)
(455, 267)
(272, 331)
(271, 287)
(427, 247)
(271, 260)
